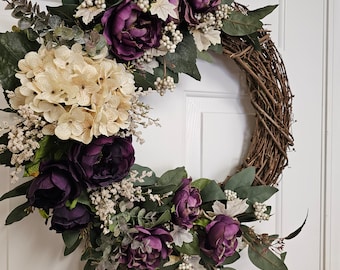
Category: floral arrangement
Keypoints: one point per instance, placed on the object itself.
(73, 80)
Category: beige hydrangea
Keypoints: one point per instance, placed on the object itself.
(80, 97)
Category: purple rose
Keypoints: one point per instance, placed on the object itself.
(65, 219)
(130, 31)
(220, 240)
(187, 202)
(192, 7)
(147, 249)
(53, 186)
(104, 161)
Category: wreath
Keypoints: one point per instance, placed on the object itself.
(74, 77)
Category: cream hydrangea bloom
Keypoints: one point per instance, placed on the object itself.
(80, 97)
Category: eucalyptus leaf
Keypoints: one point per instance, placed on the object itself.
(256, 193)
(239, 24)
(13, 46)
(17, 191)
(212, 192)
(173, 177)
(244, 177)
(264, 258)
(184, 58)
(70, 237)
(18, 213)
(260, 13)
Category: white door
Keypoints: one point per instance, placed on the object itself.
(206, 126)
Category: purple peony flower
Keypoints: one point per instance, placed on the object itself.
(53, 186)
(65, 219)
(147, 249)
(192, 7)
(220, 240)
(104, 161)
(187, 202)
(130, 31)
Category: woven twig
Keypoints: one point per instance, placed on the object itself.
(271, 98)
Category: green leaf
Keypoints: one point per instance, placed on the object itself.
(264, 258)
(256, 193)
(17, 191)
(70, 237)
(191, 248)
(90, 265)
(227, 2)
(200, 183)
(297, 231)
(165, 217)
(184, 58)
(13, 47)
(239, 24)
(262, 12)
(283, 256)
(144, 79)
(212, 192)
(18, 213)
(69, 250)
(173, 177)
(65, 12)
(43, 214)
(231, 259)
(148, 181)
(243, 178)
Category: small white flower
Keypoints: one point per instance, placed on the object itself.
(181, 235)
(231, 209)
(87, 14)
(204, 39)
(163, 9)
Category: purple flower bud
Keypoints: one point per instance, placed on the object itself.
(187, 202)
(192, 7)
(220, 240)
(147, 249)
(129, 31)
(66, 219)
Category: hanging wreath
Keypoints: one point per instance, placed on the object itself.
(74, 77)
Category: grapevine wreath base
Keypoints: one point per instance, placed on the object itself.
(77, 155)
(271, 98)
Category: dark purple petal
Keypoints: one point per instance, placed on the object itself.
(129, 31)
(66, 219)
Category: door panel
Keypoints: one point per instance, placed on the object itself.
(206, 127)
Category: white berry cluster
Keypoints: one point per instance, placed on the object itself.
(231, 195)
(23, 138)
(90, 3)
(163, 84)
(260, 211)
(117, 197)
(171, 37)
(186, 264)
(144, 5)
(213, 19)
